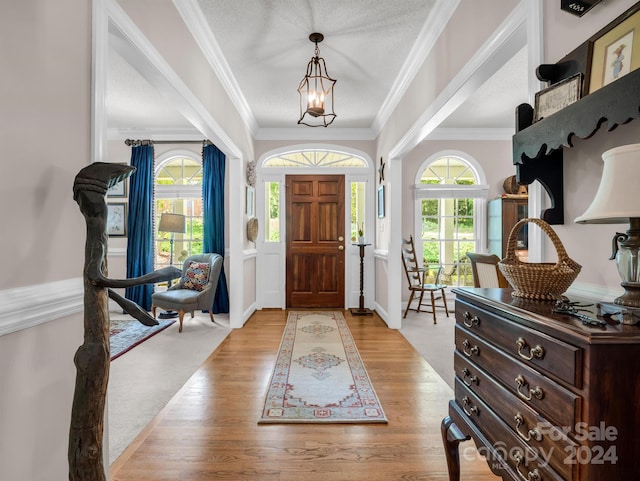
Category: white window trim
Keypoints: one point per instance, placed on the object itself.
(172, 191)
(479, 191)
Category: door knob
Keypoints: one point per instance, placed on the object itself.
(340, 238)
(340, 248)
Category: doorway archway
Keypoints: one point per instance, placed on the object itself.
(311, 159)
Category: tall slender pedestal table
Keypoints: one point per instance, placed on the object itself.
(361, 310)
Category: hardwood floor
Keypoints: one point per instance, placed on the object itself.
(209, 429)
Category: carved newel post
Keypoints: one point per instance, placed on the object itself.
(92, 359)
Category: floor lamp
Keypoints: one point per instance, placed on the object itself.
(174, 223)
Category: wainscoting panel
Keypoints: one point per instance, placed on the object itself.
(29, 306)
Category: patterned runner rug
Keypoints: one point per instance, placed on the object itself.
(319, 376)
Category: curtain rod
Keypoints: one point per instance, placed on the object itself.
(131, 142)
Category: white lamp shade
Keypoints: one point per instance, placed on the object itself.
(618, 197)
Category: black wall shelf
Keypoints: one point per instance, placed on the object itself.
(537, 147)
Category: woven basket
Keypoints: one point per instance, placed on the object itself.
(541, 281)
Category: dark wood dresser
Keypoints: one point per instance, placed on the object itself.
(543, 396)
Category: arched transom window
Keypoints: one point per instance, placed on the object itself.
(315, 158)
(448, 171)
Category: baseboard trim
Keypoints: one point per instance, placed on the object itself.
(382, 313)
(248, 313)
(29, 306)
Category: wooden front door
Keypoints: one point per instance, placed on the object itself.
(315, 240)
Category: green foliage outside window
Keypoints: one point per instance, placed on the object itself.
(273, 212)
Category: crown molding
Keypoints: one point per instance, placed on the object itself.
(506, 41)
(427, 38)
(194, 19)
(474, 134)
(311, 133)
(115, 134)
(29, 306)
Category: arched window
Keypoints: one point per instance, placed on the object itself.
(178, 190)
(315, 158)
(450, 201)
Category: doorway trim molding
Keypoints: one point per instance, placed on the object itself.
(271, 255)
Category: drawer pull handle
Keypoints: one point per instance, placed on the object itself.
(532, 434)
(537, 351)
(534, 392)
(468, 349)
(470, 321)
(531, 475)
(467, 378)
(472, 409)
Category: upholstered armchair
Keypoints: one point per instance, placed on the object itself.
(195, 290)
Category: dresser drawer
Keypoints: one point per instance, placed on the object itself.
(532, 428)
(533, 348)
(559, 405)
(529, 463)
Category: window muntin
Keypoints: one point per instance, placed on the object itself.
(448, 224)
(315, 158)
(448, 171)
(178, 190)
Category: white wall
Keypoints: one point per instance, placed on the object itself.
(470, 26)
(583, 163)
(45, 94)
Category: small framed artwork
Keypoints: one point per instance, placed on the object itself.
(381, 202)
(249, 202)
(117, 219)
(558, 96)
(118, 190)
(616, 51)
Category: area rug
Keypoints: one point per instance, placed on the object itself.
(319, 376)
(125, 334)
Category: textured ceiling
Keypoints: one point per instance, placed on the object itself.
(265, 44)
(133, 104)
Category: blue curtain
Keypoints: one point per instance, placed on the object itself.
(213, 165)
(140, 224)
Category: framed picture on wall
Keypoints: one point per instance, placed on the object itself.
(381, 202)
(558, 96)
(118, 190)
(616, 51)
(117, 219)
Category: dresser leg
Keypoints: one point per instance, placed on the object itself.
(451, 437)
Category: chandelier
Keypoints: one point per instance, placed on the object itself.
(316, 91)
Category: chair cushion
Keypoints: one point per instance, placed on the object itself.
(176, 299)
(196, 276)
